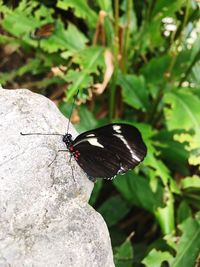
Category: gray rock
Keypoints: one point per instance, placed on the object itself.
(45, 219)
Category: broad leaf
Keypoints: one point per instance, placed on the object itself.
(191, 182)
(81, 10)
(172, 152)
(114, 209)
(188, 246)
(18, 23)
(124, 254)
(105, 5)
(155, 258)
(165, 216)
(71, 39)
(167, 8)
(155, 69)
(83, 79)
(134, 91)
(137, 190)
(87, 120)
(183, 212)
(182, 112)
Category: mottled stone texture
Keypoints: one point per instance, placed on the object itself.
(45, 219)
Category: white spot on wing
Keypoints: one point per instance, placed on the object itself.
(94, 142)
(135, 157)
(121, 170)
(90, 135)
(117, 128)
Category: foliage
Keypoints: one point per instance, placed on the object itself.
(136, 62)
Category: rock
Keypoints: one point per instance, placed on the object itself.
(45, 218)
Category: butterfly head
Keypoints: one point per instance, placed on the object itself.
(67, 139)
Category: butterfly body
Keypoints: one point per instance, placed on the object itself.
(107, 151)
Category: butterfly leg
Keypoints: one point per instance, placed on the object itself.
(89, 177)
(71, 167)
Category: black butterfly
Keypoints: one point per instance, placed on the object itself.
(107, 151)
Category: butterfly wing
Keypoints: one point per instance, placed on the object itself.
(110, 150)
(97, 162)
(43, 32)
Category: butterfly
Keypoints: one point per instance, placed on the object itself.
(43, 32)
(107, 151)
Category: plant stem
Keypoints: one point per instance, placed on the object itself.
(153, 115)
(126, 36)
(175, 54)
(187, 72)
(116, 52)
(153, 111)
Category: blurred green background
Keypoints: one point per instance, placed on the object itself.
(135, 62)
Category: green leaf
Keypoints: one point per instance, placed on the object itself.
(110, 213)
(155, 69)
(32, 64)
(150, 35)
(134, 90)
(183, 212)
(4, 77)
(81, 10)
(181, 65)
(78, 81)
(70, 38)
(155, 258)
(28, 67)
(165, 216)
(182, 111)
(105, 5)
(191, 182)
(194, 158)
(188, 246)
(92, 58)
(159, 168)
(172, 152)
(65, 108)
(109, 31)
(87, 120)
(117, 235)
(18, 23)
(43, 13)
(137, 190)
(123, 256)
(167, 8)
(194, 76)
(7, 39)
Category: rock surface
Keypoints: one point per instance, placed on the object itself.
(45, 219)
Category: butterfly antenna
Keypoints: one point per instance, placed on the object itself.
(40, 134)
(75, 97)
